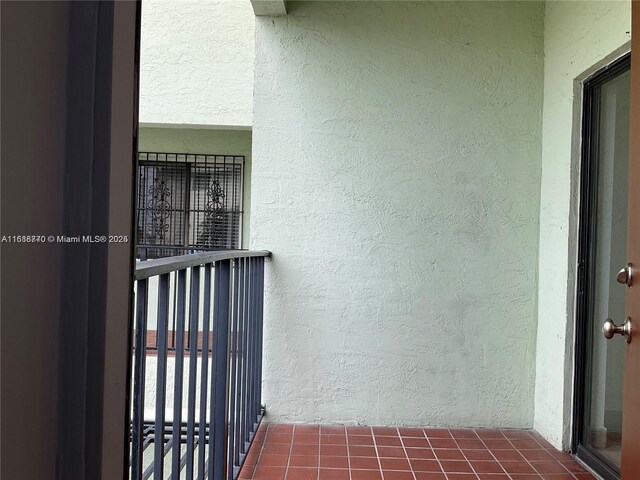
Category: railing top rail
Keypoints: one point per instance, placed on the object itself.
(151, 268)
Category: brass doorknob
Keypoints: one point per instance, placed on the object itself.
(609, 329)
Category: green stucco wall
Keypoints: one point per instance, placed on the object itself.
(396, 180)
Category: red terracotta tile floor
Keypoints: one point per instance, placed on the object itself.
(313, 452)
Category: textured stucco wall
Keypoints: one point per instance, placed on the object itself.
(396, 179)
(209, 141)
(578, 35)
(197, 62)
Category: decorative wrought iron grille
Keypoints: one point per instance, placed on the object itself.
(188, 202)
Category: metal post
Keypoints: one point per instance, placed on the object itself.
(233, 392)
(140, 354)
(219, 392)
(202, 430)
(161, 377)
(178, 336)
(193, 367)
(260, 330)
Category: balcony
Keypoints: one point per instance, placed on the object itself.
(197, 398)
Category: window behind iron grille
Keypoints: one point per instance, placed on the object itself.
(188, 203)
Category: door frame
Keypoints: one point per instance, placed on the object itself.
(584, 285)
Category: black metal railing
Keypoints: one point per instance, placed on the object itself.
(204, 403)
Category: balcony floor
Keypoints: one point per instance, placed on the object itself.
(312, 452)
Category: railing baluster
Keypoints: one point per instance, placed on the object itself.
(260, 330)
(204, 373)
(232, 377)
(218, 432)
(193, 367)
(249, 355)
(161, 376)
(238, 442)
(139, 379)
(174, 315)
(256, 338)
(247, 365)
(252, 283)
(178, 336)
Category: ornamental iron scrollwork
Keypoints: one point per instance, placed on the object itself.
(160, 207)
(214, 215)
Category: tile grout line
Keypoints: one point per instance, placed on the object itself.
(573, 474)
(286, 469)
(525, 458)
(258, 457)
(406, 454)
(346, 434)
(318, 457)
(543, 448)
(261, 452)
(530, 431)
(318, 454)
(434, 451)
(346, 444)
(491, 452)
(463, 455)
(375, 446)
